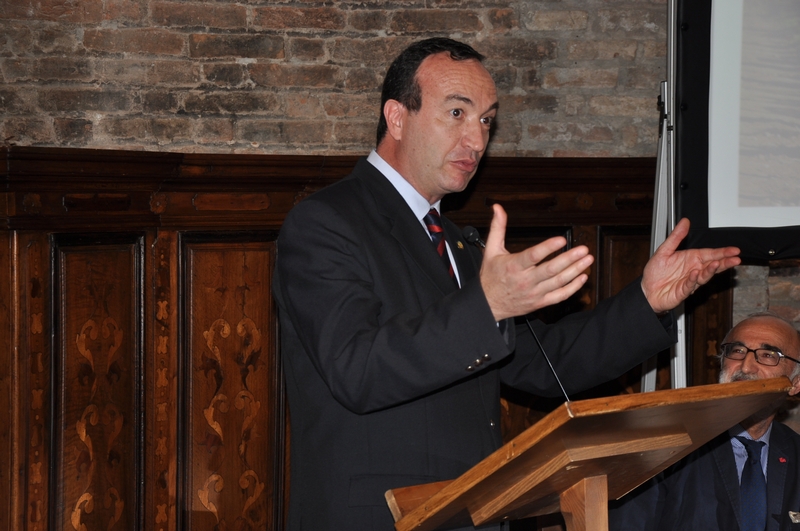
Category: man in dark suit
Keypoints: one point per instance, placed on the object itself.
(702, 491)
(394, 348)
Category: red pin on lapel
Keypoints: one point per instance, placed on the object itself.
(782, 459)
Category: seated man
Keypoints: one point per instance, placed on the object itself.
(715, 487)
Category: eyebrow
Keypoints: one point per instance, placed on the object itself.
(468, 101)
(763, 345)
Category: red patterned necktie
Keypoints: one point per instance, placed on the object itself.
(434, 224)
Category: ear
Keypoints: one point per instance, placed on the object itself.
(395, 114)
(795, 386)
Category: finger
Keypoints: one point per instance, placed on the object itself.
(537, 253)
(670, 245)
(496, 240)
(562, 293)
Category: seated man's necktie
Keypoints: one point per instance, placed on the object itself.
(753, 488)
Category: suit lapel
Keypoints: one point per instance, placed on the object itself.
(404, 227)
(726, 467)
(777, 465)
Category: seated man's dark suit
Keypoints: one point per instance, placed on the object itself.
(701, 492)
(393, 373)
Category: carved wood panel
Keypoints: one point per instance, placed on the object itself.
(232, 401)
(97, 384)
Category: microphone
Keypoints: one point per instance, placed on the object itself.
(552, 369)
(470, 234)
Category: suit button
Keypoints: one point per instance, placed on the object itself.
(486, 357)
(491, 423)
(470, 368)
(478, 362)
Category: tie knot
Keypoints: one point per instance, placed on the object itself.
(432, 219)
(753, 448)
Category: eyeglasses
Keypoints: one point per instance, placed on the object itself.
(764, 356)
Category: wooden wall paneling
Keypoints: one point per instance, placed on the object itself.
(233, 407)
(97, 430)
(710, 316)
(8, 359)
(161, 381)
(33, 385)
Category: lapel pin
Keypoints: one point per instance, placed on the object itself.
(794, 517)
(460, 245)
(782, 459)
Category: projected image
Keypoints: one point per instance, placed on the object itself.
(769, 135)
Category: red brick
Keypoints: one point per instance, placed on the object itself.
(592, 50)
(298, 18)
(73, 131)
(226, 74)
(83, 100)
(348, 132)
(122, 71)
(283, 75)
(540, 103)
(556, 20)
(175, 72)
(149, 130)
(305, 49)
(236, 45)
(361, 79)
(85, 11)
(580, 77)
(214, 131)
(160, 102)
(57, 40)
(233, 102)
(136, 41)
(517, 50)
(367, 20)
(432, 20)
(641, 22)
(125, 11)
(374, 50)
(503, 19)
(622, 106)
(302, 105)
(14, 100)
(360, 106)
(27, 131)
(193, 14)
(62, 69)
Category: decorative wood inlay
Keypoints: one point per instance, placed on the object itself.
(229, 473)
(98, 467)
(39, 382)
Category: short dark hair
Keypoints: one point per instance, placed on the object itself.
(401, 83)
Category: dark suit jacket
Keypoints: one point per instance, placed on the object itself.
(393, 375)
(702, 490)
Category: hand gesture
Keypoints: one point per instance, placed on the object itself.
(519, 283)
(671, 275)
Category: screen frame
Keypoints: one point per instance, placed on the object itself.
(692, 48)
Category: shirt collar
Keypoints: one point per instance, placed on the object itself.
(418, 204)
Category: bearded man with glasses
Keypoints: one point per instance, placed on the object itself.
(746, 479)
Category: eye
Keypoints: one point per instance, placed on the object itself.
(738, 350)
(768, 354)
(487, 120)
(456, 113)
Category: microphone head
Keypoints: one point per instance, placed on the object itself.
(471, 234)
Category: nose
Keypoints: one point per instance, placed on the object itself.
(749, 363)
(475, 136)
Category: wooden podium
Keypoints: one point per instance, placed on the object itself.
(583, 454)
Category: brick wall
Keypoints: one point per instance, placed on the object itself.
(576, 77)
